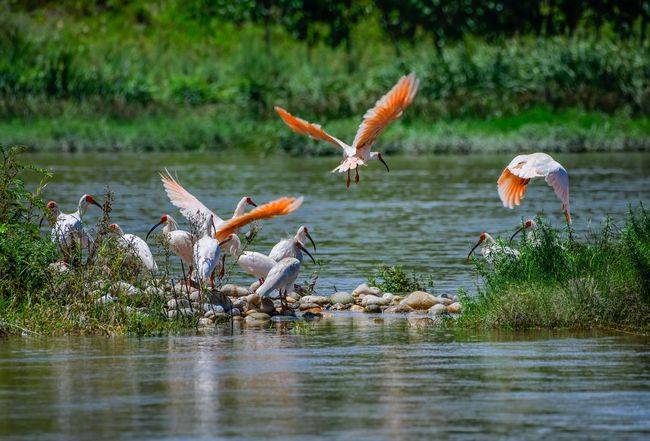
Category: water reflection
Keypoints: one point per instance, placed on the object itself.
(350, 376)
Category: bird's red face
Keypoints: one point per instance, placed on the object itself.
(528, 223)
(89, 199)
(52, 205)
(249, 201)
(482, 237)
(112, 227)
(163, 219)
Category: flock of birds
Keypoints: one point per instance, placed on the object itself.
(204, 250)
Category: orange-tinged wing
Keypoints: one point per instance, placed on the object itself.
(191, 208)
(386, 110)
(278, 207)
(306, 128)
(511, 188)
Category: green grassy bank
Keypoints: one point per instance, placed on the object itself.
(602, 281)
(148, 76)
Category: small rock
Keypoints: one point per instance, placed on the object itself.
(373, 308)
(438, 309)
(266, 306)
(123, 288)
(253, 287)
(308, 315)
(257, 316)
(372, 300)
(356, 308)
(235, 312)
(234, 290)
(291, 299)
(205, 322)
(106, 299)
(214, 309)
(454, 308)
(59, 267)
(284, 318)
(306, 306)
(402, 308)
(194, 296)
(152, 291)
(178, 303)
(316, 311)
(319, 300)
(361, 289)
(421, 300)
(342, 297)
(340, 306)
(396, 300)
(239, 303)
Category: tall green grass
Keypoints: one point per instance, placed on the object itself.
(113, 80)
(563, 282)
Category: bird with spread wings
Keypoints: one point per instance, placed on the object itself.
(389, 108)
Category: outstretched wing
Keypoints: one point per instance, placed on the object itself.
(386, 110)
(558, 178)
(306, 128)
(190, 207)
(278, 207)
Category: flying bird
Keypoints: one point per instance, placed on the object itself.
(278, 207)
(193, 209)
(389, 108)
(516, 176)
(134, 245)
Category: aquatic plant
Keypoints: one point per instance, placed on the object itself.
(396, 280)
(602, 280)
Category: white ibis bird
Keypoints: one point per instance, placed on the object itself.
(292, 247)
(256, 264)
(389, 108)
(180, 241)
(191, 208)
(281, 278)
(68, 229)
(206, 254)
(516, 176)
(134, 245)
(527, 226)
(491, 250)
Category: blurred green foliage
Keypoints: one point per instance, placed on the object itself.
(120, 60)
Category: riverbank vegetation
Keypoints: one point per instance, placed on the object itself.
(133, 75)
(560, 281)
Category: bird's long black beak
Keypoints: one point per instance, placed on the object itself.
(250, 202)
(515, 233)
(94, 202)
(151, 230)
(472, 250)
(306, 252)
(40, 223)
(383, 162)
(311, 240)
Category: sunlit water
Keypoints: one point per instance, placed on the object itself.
(425, 214)
(347, 377)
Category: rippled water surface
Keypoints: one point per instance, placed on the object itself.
(425, 214)
(347, 377)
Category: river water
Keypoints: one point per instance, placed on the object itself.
(348, 376)
(425, 214)
(351, 376)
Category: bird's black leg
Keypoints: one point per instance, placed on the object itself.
(356, 175)
(347, 181)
